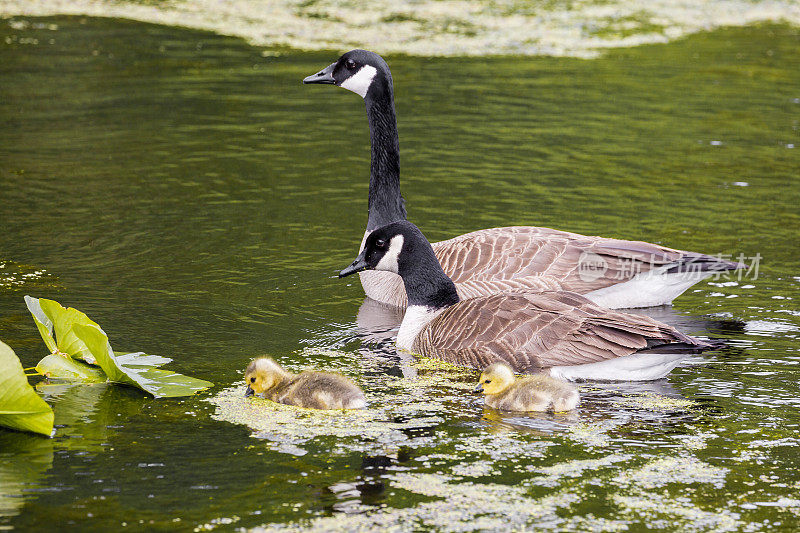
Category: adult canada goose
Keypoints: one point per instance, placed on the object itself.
(610, 272)
(313, 390)
(531, 393)
(558, 332)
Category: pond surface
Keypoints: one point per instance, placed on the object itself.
(192, 197)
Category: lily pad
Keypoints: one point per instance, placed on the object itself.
(20, 407)
(69, 333)
(55, 322)
(137, 369)
(57, 366)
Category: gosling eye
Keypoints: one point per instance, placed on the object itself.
(350, 64)
(488, 381)
(252, 380)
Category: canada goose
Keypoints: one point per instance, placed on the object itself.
(315, 390)
(610, 272)
(558, 332)
(538, 392)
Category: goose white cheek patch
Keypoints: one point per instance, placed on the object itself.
(389, 261)
(360, 81)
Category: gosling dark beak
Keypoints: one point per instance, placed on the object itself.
(323, 76)
(478, 388)
(249, 392)
(358, 265)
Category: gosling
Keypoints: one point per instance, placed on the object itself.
(313, 390)
(538, 392)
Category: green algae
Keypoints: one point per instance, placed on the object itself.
(655, 402)
(591, 434)
(462, 506)
(554, 475)
(665, 470)
(431, 364)
(580, 28)
(670, 513)
(19, 276)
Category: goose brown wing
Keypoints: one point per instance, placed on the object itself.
(535, 331)
(527, 258)
(519, 252)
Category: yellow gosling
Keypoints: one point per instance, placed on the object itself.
(314, 390)
(538, 392)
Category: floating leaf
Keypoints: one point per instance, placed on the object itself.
(20, 407)
(70, 333)
(137, 369)
(51, 317)
(56, 365)
(141, 358)
(43, 324)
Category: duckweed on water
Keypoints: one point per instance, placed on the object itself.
(18, 276)
(669, 513)
(555, 475)
(655, 402)
(429, 28)
(401, 416)
(683, 469)
(462, 506)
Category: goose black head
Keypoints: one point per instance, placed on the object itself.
(391, 247)
(361, 71)
(400, 247)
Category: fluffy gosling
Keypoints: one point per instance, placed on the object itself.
(314, 390)
(538, 392)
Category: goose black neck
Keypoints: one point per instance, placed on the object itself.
(425, 282)
(386, 204)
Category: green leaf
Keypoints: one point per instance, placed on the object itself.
(44, 324)
(20, 407)
(137, 369)
(60, 366)
(71, 333)
(50, 316)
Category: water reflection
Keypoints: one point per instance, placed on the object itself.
(701, 326)
(25, 460)
(536, 423)
(377, 323)
(88, 415)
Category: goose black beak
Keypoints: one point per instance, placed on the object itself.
(249, 392)
(358, 265)
(478, 388)
(323, 76)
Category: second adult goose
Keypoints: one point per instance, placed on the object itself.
(610, 272)
(558, 332)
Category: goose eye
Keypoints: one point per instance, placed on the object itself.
(252, 380)
(350, 64)
(380, 243)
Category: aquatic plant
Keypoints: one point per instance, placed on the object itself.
(20, 407)
(80, 350)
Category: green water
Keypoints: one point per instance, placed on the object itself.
(194, 199)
